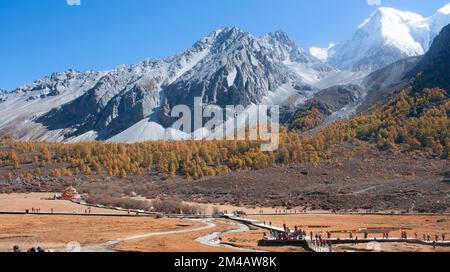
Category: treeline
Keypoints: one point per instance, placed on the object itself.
(190, 159)
(417, 122)
(412, 122)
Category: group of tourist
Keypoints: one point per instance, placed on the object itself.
(300, 234)
(427, 237)
(289, 211)
(31, 249)
(404, 234)
(34, 210)
(296, 234)
(239, 213)
(322, 245)
(317, 240)
(38, 210)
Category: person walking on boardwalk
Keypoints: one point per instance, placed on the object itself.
(32, 249)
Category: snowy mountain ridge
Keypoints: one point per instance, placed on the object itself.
(227, 67)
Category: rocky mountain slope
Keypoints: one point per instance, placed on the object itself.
(228, 67)
(433, 69)
(344, 101)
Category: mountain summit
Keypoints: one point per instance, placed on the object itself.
(386, 36)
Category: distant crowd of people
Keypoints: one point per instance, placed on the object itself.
(239, 213)
(17, 249)
(317, 240)
(33, 210)
(323, 238)
(38, 210)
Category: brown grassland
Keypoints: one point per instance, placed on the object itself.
(56, 231)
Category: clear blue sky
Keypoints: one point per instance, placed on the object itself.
(39, 37)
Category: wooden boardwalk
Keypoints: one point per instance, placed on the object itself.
(310, 245)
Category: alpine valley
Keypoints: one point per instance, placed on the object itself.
(362, 157)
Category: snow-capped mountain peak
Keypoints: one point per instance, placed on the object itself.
(398, 16)
(399, 29)
(386, 36)
(445, 9)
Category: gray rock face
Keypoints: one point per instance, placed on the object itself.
(228, 67)
(89, 113)
(430, 70)
(126, 109)
(332, 103)
(343, 101)
(287, 50)
(337, 97)
(433, 69)
(238, 70)
(383, 83)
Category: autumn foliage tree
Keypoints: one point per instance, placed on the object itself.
(416, 122)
